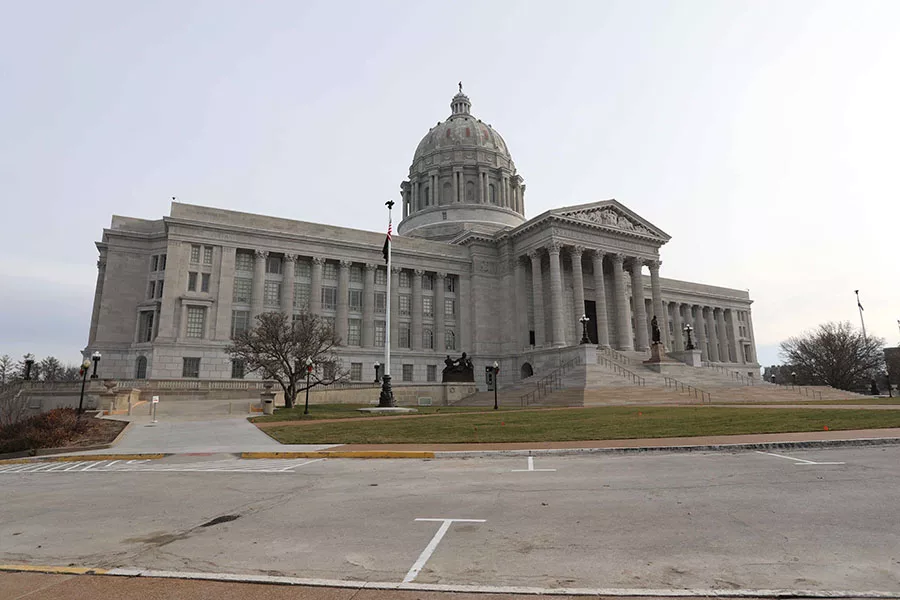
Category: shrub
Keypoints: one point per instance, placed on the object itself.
(53, 429)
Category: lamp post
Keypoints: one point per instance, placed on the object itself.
(496, 374)
(793, 377)
(85, 367)
(309, 365)
(773, 377)
(29, 363)
(377, 366)
(687, 330)
(96, 358)
(584, 336)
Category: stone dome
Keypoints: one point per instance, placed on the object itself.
(462, 177)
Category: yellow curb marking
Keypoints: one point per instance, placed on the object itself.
(351, 454)
(54, 570)
(81, 457)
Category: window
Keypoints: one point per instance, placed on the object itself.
(428, 339)
(428, 306)
(154, 262)
(380, 302)
(207, 255)
(273, 265)
(243, 261)
(330, 271)
(145, 331)
(301, 296)
(379, 334)
(353, 331)
(195, 254)
(381, 277)
(356, 275)
(159, 288)
(404, 304)
(243, 289)
(190, 367)
(356, 300)
(237, 369)
(140, 368)
(151, 290)
(204, 282)
(272, 293)
(329, 297)
(427, 282)
(196, 319)
(431, 373)
(407, 372)
(450, 340)
(449, 284)
(302, 269)
(403, 342)
(404, 279)
(162, 262)
(356, 371)
(449, 308)
(192, 281)
(240, 321)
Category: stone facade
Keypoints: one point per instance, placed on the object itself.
(470, 273)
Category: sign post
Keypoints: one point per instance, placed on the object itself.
(155, 402)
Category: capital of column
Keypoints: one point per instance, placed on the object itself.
(419, 272)
(617, 258)
(290, 258)
(262, 254)
(318, 260)
(553, 247)
(653, 265)
(595, 253)
(440, 275)
(371, 267)
(576, 251)
(345, 264)
(533, 255)
(396, 270)
(636, 263)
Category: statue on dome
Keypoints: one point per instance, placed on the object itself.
(460, 87)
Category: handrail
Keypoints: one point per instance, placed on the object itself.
(691, 390)
(733, 374)
(617, 355)
(801, 389)
(546, 384)
(620, 370)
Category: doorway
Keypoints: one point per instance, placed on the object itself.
(590, 310)
(526, 370)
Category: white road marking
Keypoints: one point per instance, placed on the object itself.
(302, 464)
(799, 461)
(432, 545)
(530, 467)
(151, 466)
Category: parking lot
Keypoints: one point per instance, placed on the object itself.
(811, 519)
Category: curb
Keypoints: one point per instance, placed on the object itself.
(451, 588)
(337, 454)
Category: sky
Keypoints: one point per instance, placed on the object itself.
(761, 135)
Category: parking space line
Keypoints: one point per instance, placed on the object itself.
(799, 461)
(530, 467)
(309, 462)
(432, 545)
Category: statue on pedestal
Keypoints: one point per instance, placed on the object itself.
(654, 326)
(460, 370)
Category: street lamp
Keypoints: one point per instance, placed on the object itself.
(496, 374)
(687, 330)
(377, 366)
(793, 377)
(584, 336)
(309, 365)
(96, 358)
(29, 363)
(85, 367)
(773, 377)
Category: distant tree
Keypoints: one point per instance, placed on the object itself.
(70, 373)
(277, 348)
(835, 354)
(783, 375)
(7, 369)
(51, 369)
(35, 368)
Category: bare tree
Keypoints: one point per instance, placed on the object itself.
(835, 354)
(7, 369)
(277, 348)
(13, 403)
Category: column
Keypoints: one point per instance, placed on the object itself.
(404, 200)
(521, 306)
(440, 326)
(640, 312)
(600, 300)
(315, 286)
(224, 294)
(537, 298)
(395, 307)
(678, 326)
(98, 296)
(415, 196)
(416, 310)
(556, 297)
(734, 344)
(711, 335)
(656, 294)
(342, 314)
(259, 283)
(699, 335)
(622, 324)
(752, 355)
(724, 355)
(485, 195)
(578, 281)
(368, 316)
(287, 285)
(454, 175)
(479, 188)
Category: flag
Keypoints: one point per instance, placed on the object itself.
(387, 244)
(858, 303)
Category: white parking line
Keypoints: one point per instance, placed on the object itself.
(530, 467)
(432, 545)
(799, 461)
(148, 466)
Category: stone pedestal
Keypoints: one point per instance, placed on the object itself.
(688, 357)
(588, 354)
(657, 353)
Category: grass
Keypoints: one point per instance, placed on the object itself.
(849, 401)
(583, 424)
(350, 411)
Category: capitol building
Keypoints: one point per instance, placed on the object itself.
(470, 274)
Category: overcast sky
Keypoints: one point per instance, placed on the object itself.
(762, 136)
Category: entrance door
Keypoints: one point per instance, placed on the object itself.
(590, 309)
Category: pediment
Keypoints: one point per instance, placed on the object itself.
(613, 215)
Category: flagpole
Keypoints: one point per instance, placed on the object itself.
(861, 320)
(387, 394)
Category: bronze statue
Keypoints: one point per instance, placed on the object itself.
(654, 326)
(459, 370)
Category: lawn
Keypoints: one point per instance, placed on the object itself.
(849, 401)
(350, 411)
(582, 424)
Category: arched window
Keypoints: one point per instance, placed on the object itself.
(492, 193)
(428, 339)
(450, 340)
(140, 368)
(426, 196)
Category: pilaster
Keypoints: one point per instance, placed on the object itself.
(315, 285)
(368, 319)
(343, 301)
(416, 310)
